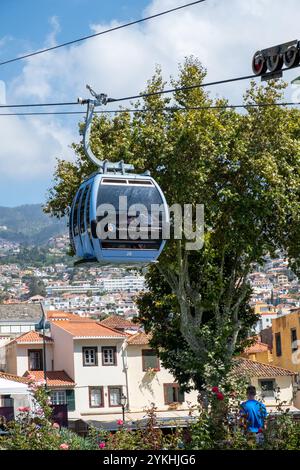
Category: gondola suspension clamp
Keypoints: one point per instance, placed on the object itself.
(103, 165)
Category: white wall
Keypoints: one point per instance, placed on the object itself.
(145, 389)
(286, 390)
(96, 376)
(22, 356)
(11, 358)
(63, 350)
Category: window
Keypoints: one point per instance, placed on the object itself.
(82, 209)
(109, 356)
(278, 344)
(96, 397)
(75, 214)
(89, 356)
(5, 329)
(173, 394)
(70, 399)
(58, 397)
(15, 328)
(294, 340)
(135, 194)
(35, 359)
(114, 396)
(267, 388)
(26, 328)
(150, 359)
(87, 213)
(6, 400)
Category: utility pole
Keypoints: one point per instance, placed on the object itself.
(42, 326)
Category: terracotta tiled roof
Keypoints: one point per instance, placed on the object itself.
(59, 315)
(119, 322)
(256, 348)
(55, 378)
(91, 329)
(31, 337)
(139, 338)
(14, 378)
(258, 369)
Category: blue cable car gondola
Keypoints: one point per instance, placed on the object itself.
(106, 231)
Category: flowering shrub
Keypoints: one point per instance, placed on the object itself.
(150, 437)
(220, 426)
(217, 426)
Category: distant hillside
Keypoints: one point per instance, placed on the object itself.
(28, 224)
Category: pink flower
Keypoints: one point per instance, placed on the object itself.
(220, 396)
(31, 377)
(55, 426)
(41, 382)
(64, 446)
(120, 422)
(101, 445)
(215, 389)
(24, 409)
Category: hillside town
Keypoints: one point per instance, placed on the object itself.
(109, 290)
(99, 292)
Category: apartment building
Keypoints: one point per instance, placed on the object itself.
(266, 313)
(286, 341)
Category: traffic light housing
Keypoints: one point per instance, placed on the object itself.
(271, 61)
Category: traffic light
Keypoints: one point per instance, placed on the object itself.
(272, 60)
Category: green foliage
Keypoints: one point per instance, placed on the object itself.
(36, 287)
(28, 224)
(37, 256)
(220, 426)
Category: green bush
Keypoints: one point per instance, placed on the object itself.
(218, 425)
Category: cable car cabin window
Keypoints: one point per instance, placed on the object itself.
(146, 195)
(75, 214)
(141, 182)
(87, 212)
(113, 181)
(131, 245)
(82, 207)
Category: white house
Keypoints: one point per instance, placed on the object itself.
(273, 384)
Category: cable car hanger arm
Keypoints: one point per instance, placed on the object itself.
(104, 165)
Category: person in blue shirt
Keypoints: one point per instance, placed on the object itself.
(254, 412)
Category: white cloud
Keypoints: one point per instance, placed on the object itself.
(29, 147)
(4, 40)
(223, 34)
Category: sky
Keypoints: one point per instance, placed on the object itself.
(223, 34)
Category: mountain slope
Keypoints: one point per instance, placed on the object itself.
(28, 224)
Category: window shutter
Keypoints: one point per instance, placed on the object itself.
(70, 400)
(170, 394)
(180, 396)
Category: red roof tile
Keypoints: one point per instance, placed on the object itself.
(91, 329)
(139, 338)
(59, 315)
(31, 337)
(250, 368)
(55, 378)
(256, 348)
(14, 378)
(119, 322)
